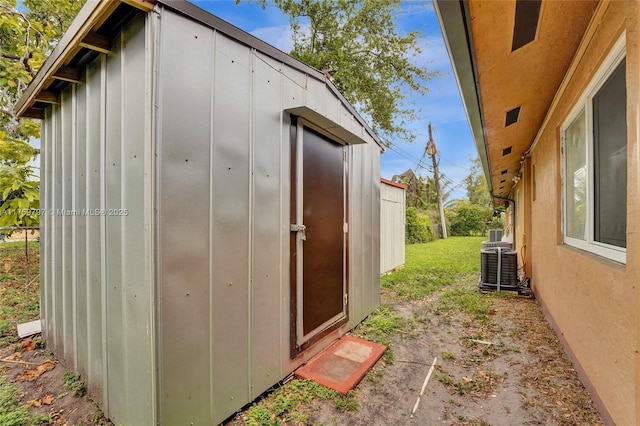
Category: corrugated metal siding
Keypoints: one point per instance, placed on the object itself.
(96, 297)
(210, 222)
(392, 227)
(364, 227)
(223, 214)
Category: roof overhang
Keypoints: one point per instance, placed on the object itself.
(507, 87)
(87, 33)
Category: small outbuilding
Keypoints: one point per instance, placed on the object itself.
(212, 211)
(392, 225)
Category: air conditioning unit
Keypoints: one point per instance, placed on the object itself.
(496, 244)
(498, 269)
(495, 234)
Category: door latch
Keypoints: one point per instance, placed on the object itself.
(299, 228)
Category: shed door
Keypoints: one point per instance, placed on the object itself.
(318, 236)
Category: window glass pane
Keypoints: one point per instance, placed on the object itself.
(610, 160)
(576, 178)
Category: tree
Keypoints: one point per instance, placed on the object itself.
(474, 215)
(358, 45)
(468, 219)
(476, 184)
(27, 35)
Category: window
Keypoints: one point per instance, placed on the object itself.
(594, 142)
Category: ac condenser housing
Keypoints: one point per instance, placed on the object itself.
(498, 269)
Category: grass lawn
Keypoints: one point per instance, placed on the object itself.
(432, 266)
(19, 287)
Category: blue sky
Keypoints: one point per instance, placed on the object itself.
(441, 105)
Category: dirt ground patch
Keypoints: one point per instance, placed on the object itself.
(41, 380)
(506, 369)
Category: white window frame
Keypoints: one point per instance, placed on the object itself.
(585, 102)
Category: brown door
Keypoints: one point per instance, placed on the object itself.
(319, 235)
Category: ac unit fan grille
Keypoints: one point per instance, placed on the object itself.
(508, 268)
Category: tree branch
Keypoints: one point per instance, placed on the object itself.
(7, 112)
(10, 56)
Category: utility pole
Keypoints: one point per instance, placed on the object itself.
(432, 151)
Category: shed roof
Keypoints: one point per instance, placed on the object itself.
(97, 23)
(392, 183)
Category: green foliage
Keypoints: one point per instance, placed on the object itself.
(419, 228)
(433, 266)
(474, 215)
(74, 383)
(468, 300)
(382, 323)
(12, 411)
(358, 45)
(476, 184)
(27, 35)
(20, 300)
(20, 197)
(448, 355)
(468, 219)
(420, 192)
(290, 404)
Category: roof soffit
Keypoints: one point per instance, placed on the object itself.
(527, 77)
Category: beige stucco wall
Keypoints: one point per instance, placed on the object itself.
(592, 301)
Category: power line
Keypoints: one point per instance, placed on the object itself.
(397, 149)
(420, 162)
(460, 185)
(407, 156)
(457, 165)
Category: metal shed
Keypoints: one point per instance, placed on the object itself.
(392, 225)
(213, 211)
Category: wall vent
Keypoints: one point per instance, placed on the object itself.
(512, 117)
(525, 23)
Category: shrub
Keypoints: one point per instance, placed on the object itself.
(418, 227)
(468, 220)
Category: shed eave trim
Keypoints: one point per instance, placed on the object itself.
(92, 14)
(392, 183)
(341, 134)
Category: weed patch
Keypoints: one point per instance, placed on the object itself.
(14, 413)
(293, 402)
(448, 355)
(468, 300)
(380, 325)
(73, 382)
(480, 383)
